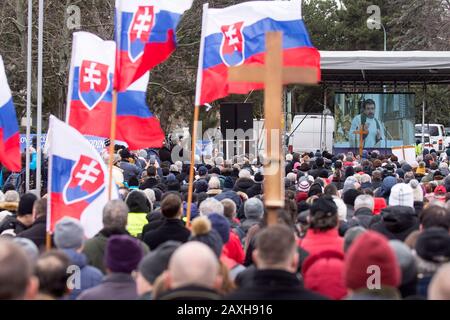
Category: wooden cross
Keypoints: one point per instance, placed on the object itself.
(361, 132)
(273, 75)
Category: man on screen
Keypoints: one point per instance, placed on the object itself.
(373, 127)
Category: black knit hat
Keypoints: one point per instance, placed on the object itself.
(433, 245)
(324, 204)
(157, 261)
(26, 204)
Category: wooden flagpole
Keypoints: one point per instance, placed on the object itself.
(191, 167)
(48, 241)
(196, 115)
(112, 143)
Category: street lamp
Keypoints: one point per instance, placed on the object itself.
(373, 21)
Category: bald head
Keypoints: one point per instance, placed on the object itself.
(440, 284)
(193, 263)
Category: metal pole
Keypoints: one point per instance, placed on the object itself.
(29, 71)
(325, 118)
(39, 98)
(423, 113)
(385, 37)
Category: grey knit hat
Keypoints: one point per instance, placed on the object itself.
(69, 233)
(253, 208)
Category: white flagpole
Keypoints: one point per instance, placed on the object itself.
(29, 71)
(39, 98)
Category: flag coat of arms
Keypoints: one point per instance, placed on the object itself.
(91, 77)
(235, 36)
(9, 128)
(145, 33)
(78, 179)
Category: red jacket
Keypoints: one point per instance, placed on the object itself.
(317, 241)
(233, 249)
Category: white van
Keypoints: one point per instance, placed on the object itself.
(437, 135)
(311, 132)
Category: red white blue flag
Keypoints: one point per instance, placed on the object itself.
(145, 33)
(91, 97)
(235, 36)
(78, 179)
(9, 129)
(136, 125)
(89, 100)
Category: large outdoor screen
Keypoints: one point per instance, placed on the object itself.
(378, 120)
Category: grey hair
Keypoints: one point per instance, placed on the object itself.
(115, 214)
(210, 206)
(364, 201)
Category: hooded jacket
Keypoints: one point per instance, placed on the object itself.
(385, 190)
(139, 208)
(397, 222)
(243, 185)
(89, 275)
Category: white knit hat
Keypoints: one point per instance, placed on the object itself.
(417, 190)
(402, 195)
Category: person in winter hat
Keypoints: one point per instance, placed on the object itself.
(432, 250)
(401, 195)
(323, 231)
(385, 190)
(232, 248)
(405, 257)
(254, 212)
(201, 230)
(322, 273)
(14, 224)
(123, 254)
(368, 250)
(439, 193)
(350, 183)
(69, 237)
(9, 203)
(396, 222)
(152, 266)
(417, 190)
(139, 206)
(350, 235)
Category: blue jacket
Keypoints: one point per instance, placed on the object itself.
(90, 276)
(129, 170)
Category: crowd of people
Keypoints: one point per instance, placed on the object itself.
(352, 227)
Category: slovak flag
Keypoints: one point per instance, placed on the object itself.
(89, 100)
(9, 129)
(78, 179)
(136, 125)
(145, 34)
(235, 36)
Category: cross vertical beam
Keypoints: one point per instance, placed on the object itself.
(273, 75)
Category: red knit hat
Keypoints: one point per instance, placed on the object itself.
(379, 204)
(371, 249)
(322, 273)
